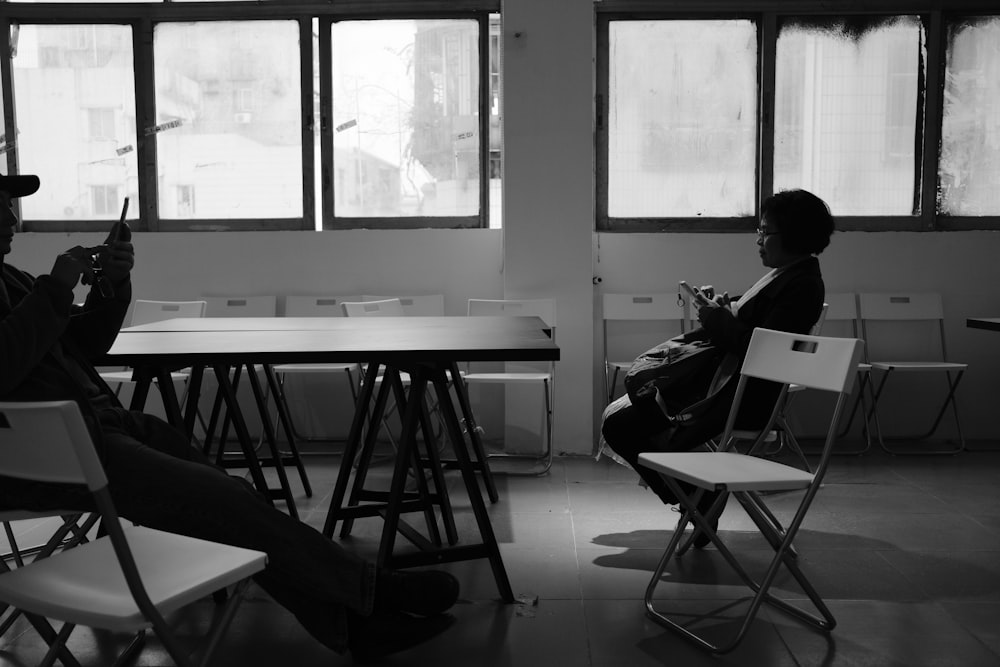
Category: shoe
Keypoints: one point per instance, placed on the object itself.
(371, 638)
(417, 592)
(702, 540)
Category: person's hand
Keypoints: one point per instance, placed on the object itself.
(118, 256)
(73, 264)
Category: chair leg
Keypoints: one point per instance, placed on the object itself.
(949, 400)
(780, 540)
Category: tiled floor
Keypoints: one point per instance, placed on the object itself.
(906, 550)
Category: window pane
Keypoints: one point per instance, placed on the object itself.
(229, 119)
(406, 118)
(682, 100)
(970, 146)
(75, 110)
(845, 114)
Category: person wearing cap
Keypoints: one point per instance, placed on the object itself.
(158, 479)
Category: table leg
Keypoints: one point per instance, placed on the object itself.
(276, 460)
(351, 449)
(242, 433)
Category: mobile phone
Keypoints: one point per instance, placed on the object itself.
(693, 291)
(118, 229)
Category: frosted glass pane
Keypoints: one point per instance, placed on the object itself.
(75, 109)
(682, 114)
(970, 147)
(406, 118)
(845, 115)
(228, 119)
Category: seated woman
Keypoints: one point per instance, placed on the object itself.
(795, 227)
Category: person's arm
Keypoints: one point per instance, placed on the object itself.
(30, 329)
(793, 308)
(95, 326)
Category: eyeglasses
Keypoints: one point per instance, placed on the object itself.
(762, 233)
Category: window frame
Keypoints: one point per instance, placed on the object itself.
(934, 16)
(143, 17)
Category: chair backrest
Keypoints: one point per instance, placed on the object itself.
(145, 311)
(383, 308)
(660, 308)
(541, 308)
(909, 307)
(317, 306)
(241, 306)
(842, 306)
(818, 362)
(418, 304)
(901, 306)
(48, 442)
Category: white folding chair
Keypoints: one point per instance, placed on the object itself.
(842, 311)
(545, 309)
(659, 308)
(145, 311)
(62, 530)
(415, 305)
(397, 381)
(816, 362)
(315, 306)
(911, 309)
(257, 305)
(126, 581)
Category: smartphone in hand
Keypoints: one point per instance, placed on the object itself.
(694, 292)
(120, 230)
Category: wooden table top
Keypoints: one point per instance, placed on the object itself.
(334, 340)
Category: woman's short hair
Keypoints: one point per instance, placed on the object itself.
(803, 220)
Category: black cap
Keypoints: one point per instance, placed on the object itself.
(19, 186)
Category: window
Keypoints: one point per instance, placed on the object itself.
(849, 134)
(67, 108)
(400, 126)
(681, 118)
(243, 165)
(970, 146)
(101, 124)
(405, 112)
(104, 200)
(893, 119)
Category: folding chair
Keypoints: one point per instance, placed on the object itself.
(72, 530)
(649, 307)
(315, 306)
(545, 379)
(395, 382)
(923, 307)
(126, 581)
(816, 362)
(256, 306)
(843, 310)
(145, 311)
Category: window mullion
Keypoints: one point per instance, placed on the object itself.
(484, 119)
(933, 114)
(326, 120)
(145, 115)
(308, 122)
(768, 33)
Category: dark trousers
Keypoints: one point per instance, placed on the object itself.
(157, 479)
(633, 429)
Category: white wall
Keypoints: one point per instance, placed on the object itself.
(548, 246)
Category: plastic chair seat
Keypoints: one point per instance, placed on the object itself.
(126, 376)
(729, 470)
(81, 585)
(917, 365)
